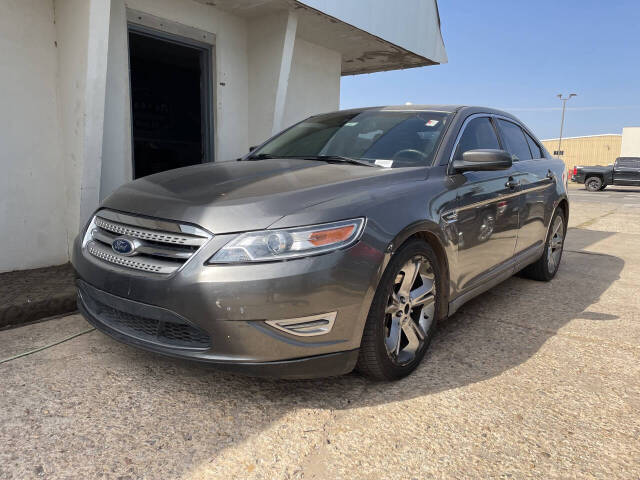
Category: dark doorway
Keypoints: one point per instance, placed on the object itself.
(170, 98)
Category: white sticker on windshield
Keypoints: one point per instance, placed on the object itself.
(384, 163)
(350, 124)
(370, 135)
(431, 123)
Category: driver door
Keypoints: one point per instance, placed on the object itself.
(487, 209)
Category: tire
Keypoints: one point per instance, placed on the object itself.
(593, 184)
(546, 267)
(391, 346)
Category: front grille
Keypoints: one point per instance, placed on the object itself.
(147, 329)
(170, 331)
(160, 246)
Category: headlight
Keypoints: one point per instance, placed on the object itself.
(270, 245)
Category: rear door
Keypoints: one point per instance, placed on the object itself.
(536, 178)
(626, 171)
(487, 209)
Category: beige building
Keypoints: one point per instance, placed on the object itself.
(589, 150)
(597, 149)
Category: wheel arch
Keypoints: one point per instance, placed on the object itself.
(430, 233)
(564, 205)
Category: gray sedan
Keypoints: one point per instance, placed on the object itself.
(341, 242)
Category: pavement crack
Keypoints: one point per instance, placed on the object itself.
(585, 252)
(591, 221)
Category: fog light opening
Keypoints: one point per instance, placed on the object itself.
(306, 326)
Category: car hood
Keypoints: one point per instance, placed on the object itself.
(248, 195)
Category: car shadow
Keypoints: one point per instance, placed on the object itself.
(488, 336)
(133, 409)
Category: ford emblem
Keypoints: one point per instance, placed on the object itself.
(123, 246)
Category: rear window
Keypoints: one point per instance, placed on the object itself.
(536, 152)
(514, 140)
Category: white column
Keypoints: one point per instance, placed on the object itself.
(270, 51)
(116, 165)
(96, 79)
(285, 71)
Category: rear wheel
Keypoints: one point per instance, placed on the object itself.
(403, 314)
(593, 184)
(547, 265)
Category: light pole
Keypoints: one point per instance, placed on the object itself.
(564, 104)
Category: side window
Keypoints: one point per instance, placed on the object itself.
(533, 146)
(628, 162)
(515, 141)
(479, 133)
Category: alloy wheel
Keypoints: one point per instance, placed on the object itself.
(410, 310)
(554, 249)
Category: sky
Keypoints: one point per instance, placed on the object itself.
(517, 55)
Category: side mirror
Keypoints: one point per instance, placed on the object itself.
(251, 149)
(483, 160)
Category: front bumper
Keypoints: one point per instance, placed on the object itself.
(326, 365)
(232, 303)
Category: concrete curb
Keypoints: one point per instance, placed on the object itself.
(29, 295)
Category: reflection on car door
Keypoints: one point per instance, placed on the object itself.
(487, 210)
(535, 178)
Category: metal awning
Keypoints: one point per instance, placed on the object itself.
(371, 35)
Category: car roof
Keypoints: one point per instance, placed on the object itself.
(466, 109)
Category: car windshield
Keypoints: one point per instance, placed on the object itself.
(384, 138)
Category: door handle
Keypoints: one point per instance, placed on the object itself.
(511, 183)
(551, 175)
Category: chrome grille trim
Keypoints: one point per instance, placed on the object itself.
(156, 251)
(106, 254)
(146, 234)
(146, 248)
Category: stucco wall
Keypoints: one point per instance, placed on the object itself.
(231, 66)
(314, 82)
(72, 32)
(230, 81)
(65, 127)
(32, 183)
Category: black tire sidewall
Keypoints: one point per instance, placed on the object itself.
(587, 184)
(549, 274)
(376, 315)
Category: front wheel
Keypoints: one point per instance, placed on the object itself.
(403, 314)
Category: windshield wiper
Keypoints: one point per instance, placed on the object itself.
(340, 158)
(260, 156)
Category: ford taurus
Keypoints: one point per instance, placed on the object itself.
(340, 243)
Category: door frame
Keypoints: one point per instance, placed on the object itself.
(168, 31)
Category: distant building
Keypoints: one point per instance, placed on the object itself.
(596, 149)
(630, 142)
(588, 150)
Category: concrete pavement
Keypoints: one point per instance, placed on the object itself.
(531, 380)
